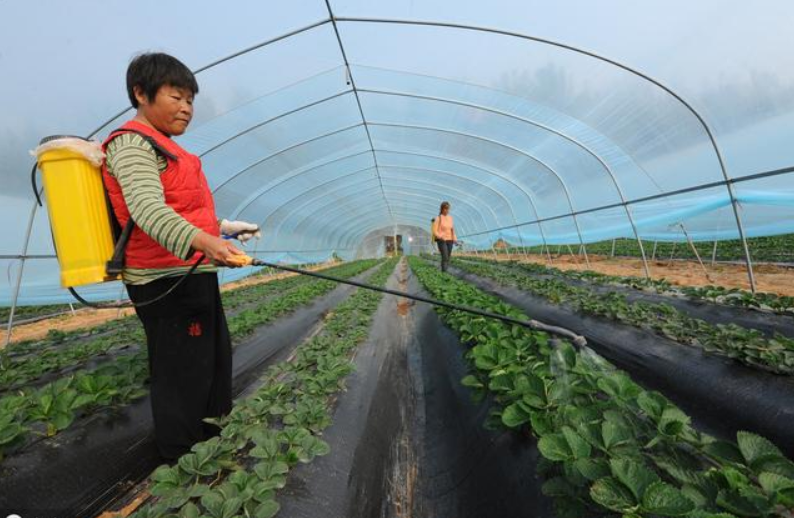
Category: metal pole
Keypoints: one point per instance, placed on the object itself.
(612, 253)
(672, 253)
(570, 251)
(714, 254)
(521, 239)
(653, 256)
(21, 270)
(697, 254)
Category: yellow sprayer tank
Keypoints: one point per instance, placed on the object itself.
(78, 209)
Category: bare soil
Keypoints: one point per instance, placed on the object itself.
(769, 278)
(88, 317)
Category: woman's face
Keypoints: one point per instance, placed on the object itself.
(170, 111)
(445, 210)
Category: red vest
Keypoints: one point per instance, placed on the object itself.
(186, 191)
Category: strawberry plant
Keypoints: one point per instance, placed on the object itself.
(608, 446)
(717, 294)
(54, 407)
(749, 346)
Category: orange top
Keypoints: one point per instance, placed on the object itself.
(445, 228)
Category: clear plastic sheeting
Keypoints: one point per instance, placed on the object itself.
(331, 124)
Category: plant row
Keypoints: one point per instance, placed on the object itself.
(47, 410)
(749, 346)
(30, 312)
(775, 249)
(62, 350)
(717, 294)
(271, 431)
(609, 447)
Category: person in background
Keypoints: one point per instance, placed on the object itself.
(162, 187)
(444, 234)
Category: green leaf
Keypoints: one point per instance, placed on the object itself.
(555, 447)
(175, 498)
(614, 434)
(501, 383)
(579, 447)
(592, 469)
(167, 474)
(739, 505)
(705, 514)
(633, 475)
(782, 487)
(11, 432)
(696, 495)
(673, 421)
(316, 447)
(514, 416)
(472, 382)
(652, 403)
(62, 420)
(773, 482)
(272, 471)
(199, 490)
(213, 502)
(724, 451)
(230, 507)
(611, 494)
(541, 424)
(83, 400)
(663, 499)
(267, 509)
(755, 448)
(189, 510)
(777, 465)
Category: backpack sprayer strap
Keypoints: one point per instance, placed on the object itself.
(116, 264)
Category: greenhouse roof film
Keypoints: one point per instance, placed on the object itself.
(323, 122)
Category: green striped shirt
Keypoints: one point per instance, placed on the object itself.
(137, 167)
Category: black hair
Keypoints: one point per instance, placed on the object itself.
(444, 204)
(150, 71)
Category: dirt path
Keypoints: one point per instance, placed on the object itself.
(88, 317)
(769, 278)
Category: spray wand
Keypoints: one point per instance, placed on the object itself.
(578, 340)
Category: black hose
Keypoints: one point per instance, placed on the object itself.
(35, 184)
(139, 304)
(578, 340)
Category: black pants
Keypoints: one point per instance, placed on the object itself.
(445, 247)
(190, 359)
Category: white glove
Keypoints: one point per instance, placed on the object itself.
(240, 230)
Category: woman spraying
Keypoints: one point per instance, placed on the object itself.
(161, 186)
(444, 234)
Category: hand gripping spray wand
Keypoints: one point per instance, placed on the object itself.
(90, 250)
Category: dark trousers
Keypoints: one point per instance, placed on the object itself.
(190, 359)
(445, 248)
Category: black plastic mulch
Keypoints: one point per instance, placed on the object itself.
(406, 438)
